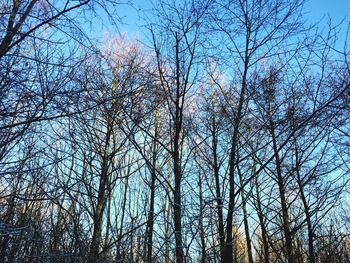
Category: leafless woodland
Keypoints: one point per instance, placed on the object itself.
(222, 136)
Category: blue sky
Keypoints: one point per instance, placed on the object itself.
(314, 10)
(337, 9)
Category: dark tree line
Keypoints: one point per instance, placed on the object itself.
(223, 137)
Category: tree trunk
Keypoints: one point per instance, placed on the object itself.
(264, 239)
(219, 203)
(311, 249)
(282, 192)
(178, 210)
(150, 221)
(201, 228)
(228, 256)
(245, 220)
(176, 158)
(98, 217)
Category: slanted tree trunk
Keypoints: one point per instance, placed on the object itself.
(245, 219)
(228, 255)
(96, 240)
(261, 217)
(307, 212)
(98, 215)
(282, 190)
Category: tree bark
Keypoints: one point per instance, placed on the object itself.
(150, 221)
(245, 220)
(282, 191)
(219, 203)
(261, 216)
